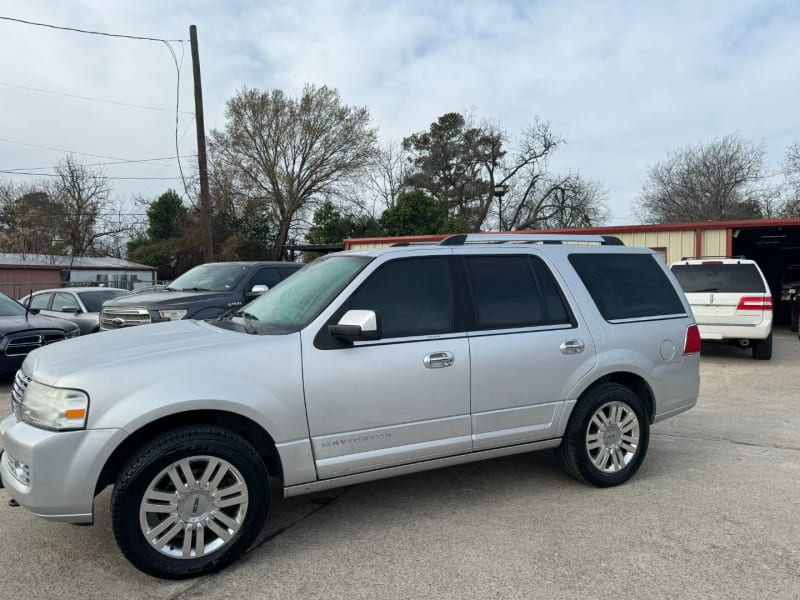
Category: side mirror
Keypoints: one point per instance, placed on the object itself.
(257, 290)
(357, 325)
(71, 309)
(34, 311)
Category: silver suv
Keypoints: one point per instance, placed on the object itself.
(363, 365)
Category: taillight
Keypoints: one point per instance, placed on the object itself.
(693, 341)
(755, 303)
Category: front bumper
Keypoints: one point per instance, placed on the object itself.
(64, 468)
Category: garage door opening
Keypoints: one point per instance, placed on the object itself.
(777, 252)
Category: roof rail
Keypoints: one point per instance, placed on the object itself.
(740, 256)
(527, 238)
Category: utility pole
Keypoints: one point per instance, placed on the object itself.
(202, 163)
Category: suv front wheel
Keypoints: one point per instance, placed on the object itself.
(190, 502)
(607, 436)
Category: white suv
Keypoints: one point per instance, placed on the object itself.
(731, 301)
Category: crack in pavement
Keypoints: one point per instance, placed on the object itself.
(206, 578)
(722, 439)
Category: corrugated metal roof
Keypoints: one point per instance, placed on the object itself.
(78, 263)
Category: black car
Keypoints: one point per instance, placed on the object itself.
(204, 292)
(22, 331)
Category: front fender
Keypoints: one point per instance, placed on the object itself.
(282, 417)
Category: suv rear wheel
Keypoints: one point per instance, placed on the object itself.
(762, 349)
(190, 502)
(607, 436)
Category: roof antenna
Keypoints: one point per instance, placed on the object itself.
(28, 304)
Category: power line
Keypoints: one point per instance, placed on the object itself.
(61, 28)
(68, 95)
(63, 150)
(91, 176)
(103, 164)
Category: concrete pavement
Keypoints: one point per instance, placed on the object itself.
(713, 513)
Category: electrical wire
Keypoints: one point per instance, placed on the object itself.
(104, 164)
(91, 176)
(115, 35)
(68, 95)
(177, 106)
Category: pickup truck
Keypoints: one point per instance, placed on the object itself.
(204, 292)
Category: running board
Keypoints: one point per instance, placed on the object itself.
(460, 459)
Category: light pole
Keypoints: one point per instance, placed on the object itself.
(499, 191)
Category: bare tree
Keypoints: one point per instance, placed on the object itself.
(545, 202)
(287, 153)
(791, 172)
(387, 173)
(29, 219)
(718, 180)
(89, 212)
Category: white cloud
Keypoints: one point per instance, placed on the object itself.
(622, 82)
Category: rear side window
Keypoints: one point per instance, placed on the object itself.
(627, 286)
(719, 278)
(514, 291)
(41, 301)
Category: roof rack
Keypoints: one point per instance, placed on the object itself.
(527, 238)
(740, 256)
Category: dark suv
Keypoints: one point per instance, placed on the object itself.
(204, 292)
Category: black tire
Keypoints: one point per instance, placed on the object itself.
(762, 349)
(793, 322)
(573, 453)
(147, 465)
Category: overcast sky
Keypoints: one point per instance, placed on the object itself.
(622, 82)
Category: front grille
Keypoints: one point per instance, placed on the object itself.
(21, 382)
(21, 345)
(116, 318)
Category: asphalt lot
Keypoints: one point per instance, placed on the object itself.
(713, 513)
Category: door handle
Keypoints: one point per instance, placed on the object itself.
(439, 360)
(572, 347)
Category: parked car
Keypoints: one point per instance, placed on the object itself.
(22, 330)
(204, 292)
(363, 365)
(731, 301)
(81, 305)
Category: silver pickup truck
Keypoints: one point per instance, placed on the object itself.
(363, 365)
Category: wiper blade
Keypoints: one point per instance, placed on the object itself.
(248, 319)
(191, 289)
(713, 289)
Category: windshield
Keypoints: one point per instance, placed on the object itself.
(737, 278)
(295, 301)
(93, 301)
(209, 278)
(10, 308)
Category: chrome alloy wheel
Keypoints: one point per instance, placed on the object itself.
(612, 437)
(193, 507)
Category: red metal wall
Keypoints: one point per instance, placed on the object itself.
(19, 281)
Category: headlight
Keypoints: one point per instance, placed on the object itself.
(172, 315)
(54, 408)
(74, 333)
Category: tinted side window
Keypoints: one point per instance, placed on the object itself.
(556, 311)
(41, 301)
(412, 296)
(286, 271)
(507, 294)
(268, 276)
(627, 286)
(62, 300)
